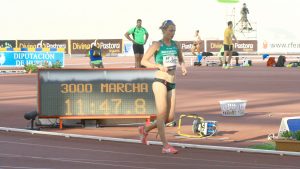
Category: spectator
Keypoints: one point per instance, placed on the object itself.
(139, 39)
(96, 56)
(196, 43)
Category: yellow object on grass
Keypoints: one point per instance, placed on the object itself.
(195, 117)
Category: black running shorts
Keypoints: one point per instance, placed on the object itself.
(138, 49)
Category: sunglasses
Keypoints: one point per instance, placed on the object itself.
(167, 23)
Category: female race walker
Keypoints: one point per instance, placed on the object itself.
(196, 43)
(166, 54)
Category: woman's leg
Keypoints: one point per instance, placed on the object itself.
(170, 117)
(198, 49)
(171, 106)
(160, 93)
(171, 99)
(193, 50)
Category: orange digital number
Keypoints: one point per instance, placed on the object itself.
(76, 88)
(117, 103)
(68, 106)
(140, 106)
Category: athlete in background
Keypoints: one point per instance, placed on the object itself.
(139, 38)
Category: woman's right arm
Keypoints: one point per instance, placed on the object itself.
(149, 54)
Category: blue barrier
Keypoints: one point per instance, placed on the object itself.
(53, 49)
(38, 49)
(9, 49)
(24, 49)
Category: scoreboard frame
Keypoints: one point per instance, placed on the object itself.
(123, 93)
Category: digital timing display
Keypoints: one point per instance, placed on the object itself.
(88, 92)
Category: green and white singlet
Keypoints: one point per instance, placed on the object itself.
(167, 55)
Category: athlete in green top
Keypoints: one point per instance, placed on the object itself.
(167, 54)
(139, 38)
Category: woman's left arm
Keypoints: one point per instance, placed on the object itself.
(181, 60)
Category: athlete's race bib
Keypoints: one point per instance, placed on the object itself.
(170, 62)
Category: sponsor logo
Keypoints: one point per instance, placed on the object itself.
(186, 46)
(50, 45)
(25, 45)
(290, 45)
(33, 55)
(6, 45)
(216, 45)
(243, 45)
(109, 45)
(81, 46)
(42, 44)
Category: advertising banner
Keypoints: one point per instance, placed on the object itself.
(19, 59)
(241, 46)
(214, 45)
(186, 46)
(267, 46)
(43, 44)
(107, 45)
(7, 44)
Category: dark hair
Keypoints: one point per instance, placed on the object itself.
(138, 20)
(94, 47)
(229, 23)
(166, 24)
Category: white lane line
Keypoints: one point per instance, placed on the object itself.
(18, 97)
(22, 167)
(263, 166)
(146, 155)
(111, 163)
(198, 146)
(76, 161)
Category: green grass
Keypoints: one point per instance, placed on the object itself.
(228, 1)
(264, 146)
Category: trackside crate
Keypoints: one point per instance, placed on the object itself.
(233, 107)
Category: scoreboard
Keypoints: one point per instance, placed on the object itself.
(95, 92)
